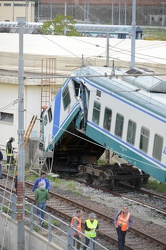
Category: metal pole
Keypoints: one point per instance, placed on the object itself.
(112, 12)
(51, 10)
(132, 65)
(85, 11)
(119, 12)
(125, 12)
(38, 10)
(65, 13)
(20, 132)
(26, 11)
(13, 10)
(107, 57)
(163, 4)
(87, 15)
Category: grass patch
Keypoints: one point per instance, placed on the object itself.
(101, 161)
(6, 210)
(27, 210)
(36, 229)
(55, 223)
(71, 185)
(155, 185)
(32, 177)
(154, 34)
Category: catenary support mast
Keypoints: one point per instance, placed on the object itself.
(132, 65)
(21, 156)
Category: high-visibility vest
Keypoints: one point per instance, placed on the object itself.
(7, 152)
(123, 221)
(91, 224)
(79, 223)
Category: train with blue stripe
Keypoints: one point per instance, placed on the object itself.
(102, 109)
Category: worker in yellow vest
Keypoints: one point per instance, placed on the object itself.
(122, 222)
(91, 225)
(9, 153)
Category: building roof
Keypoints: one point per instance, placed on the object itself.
(89, 48)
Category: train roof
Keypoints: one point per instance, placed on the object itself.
(105, 28)
(133, 90)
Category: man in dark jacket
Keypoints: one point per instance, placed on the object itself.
(1, 158)
(9, 153)
(41, 196)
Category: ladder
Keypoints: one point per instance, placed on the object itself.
(48, 83)
(29, 130)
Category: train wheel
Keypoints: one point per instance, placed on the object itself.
(111, 182)
(145, 180)
(89, 179)
(139, 182)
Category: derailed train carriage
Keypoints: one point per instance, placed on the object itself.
(101, 108)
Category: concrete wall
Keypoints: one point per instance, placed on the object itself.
(33, 240)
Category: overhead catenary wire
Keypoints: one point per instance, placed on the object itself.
(9, 105)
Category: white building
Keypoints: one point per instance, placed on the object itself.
(16, 10)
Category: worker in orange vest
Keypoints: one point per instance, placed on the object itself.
(76, 224)
(122, 222)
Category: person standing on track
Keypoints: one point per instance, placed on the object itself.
(91, 225)
(1, 158)
(10, 153)
(41, 196)
(76, 224)
(43, 179)
(122, 221)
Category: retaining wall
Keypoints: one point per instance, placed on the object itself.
(33, 240)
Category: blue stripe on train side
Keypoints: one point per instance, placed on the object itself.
(57, 108)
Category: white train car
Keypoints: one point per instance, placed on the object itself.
(113, 109)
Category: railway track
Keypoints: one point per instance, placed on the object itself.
(148, 199)
(64, 207)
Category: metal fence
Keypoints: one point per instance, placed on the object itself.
(54, 229)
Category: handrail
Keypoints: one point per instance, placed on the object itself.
(57, 231)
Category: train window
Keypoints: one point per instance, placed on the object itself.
(96, 113)
(50, 115)
(131, 131)
(98, 93)
(76, 88)
(144, 139)
(157, 147)
(45, 120)
(66, 98)
(107, 119)
(119, 125)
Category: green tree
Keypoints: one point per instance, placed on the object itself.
(59, 25)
